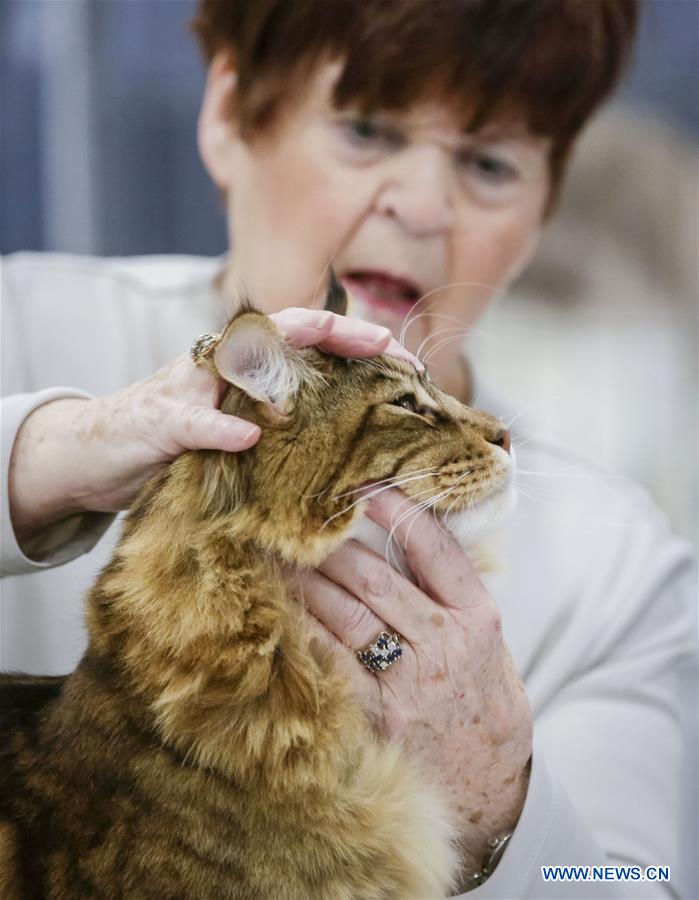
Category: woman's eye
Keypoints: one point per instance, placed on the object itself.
(363, 129)
(364, 132)
(489, 167)
(407, 401)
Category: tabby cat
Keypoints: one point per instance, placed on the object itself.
(205, 746)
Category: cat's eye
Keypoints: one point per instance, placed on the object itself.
(410, 403)
(407, 401)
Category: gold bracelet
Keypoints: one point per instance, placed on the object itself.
(497, 848)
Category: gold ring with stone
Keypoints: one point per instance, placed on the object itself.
(382, 653)
(203, 347)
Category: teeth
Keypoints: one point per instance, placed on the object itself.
(356, 307)
(386, 288)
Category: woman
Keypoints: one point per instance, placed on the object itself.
(418, 148)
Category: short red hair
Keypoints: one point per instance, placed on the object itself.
(548, 62)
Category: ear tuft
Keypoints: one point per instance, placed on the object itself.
(253, 355)
(336, 297)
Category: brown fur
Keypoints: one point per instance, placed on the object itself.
(205, 747)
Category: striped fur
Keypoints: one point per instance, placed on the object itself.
(205, 746)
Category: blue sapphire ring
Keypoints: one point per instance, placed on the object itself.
(381, 655)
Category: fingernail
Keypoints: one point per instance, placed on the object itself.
(243, 431)
(399, 352)
(374, 333)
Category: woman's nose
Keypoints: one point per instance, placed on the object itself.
(418, 192)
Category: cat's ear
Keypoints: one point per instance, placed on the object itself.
(253, 355)
(336, 297)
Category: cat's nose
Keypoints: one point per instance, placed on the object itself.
(501, 438)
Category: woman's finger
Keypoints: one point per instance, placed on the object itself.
(394, 348)
(330, 642)
(352, 623)
(339, 334)
(320, 599)
(361, 682)
(200, 428)
(390, 597)
(433, 555)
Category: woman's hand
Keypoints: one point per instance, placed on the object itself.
(73, 455)
(454, 699)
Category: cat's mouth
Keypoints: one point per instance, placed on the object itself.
(469, 525)
(381, 290)
(501, 493)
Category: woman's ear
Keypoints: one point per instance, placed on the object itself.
(217, 128)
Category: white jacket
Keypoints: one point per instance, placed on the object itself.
(595, 593)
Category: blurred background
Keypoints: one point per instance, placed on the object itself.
(596, 346)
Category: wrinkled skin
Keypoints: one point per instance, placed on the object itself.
(74, 455)
(454, 699)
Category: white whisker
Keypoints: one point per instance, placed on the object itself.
(425, 504)
(391, 478)
(527, 439)
(322, 277)
(389, 549)
(527, 496)
(514, 418)
(435, 315)
(371, 494)
(438, 368)
(443, 287)
(439, 345)
(445, 330)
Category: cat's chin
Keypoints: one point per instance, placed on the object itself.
(478, 522)
(472, 528)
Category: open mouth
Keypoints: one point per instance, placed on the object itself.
(382, 290)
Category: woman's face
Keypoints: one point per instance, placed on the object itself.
(403, 205)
